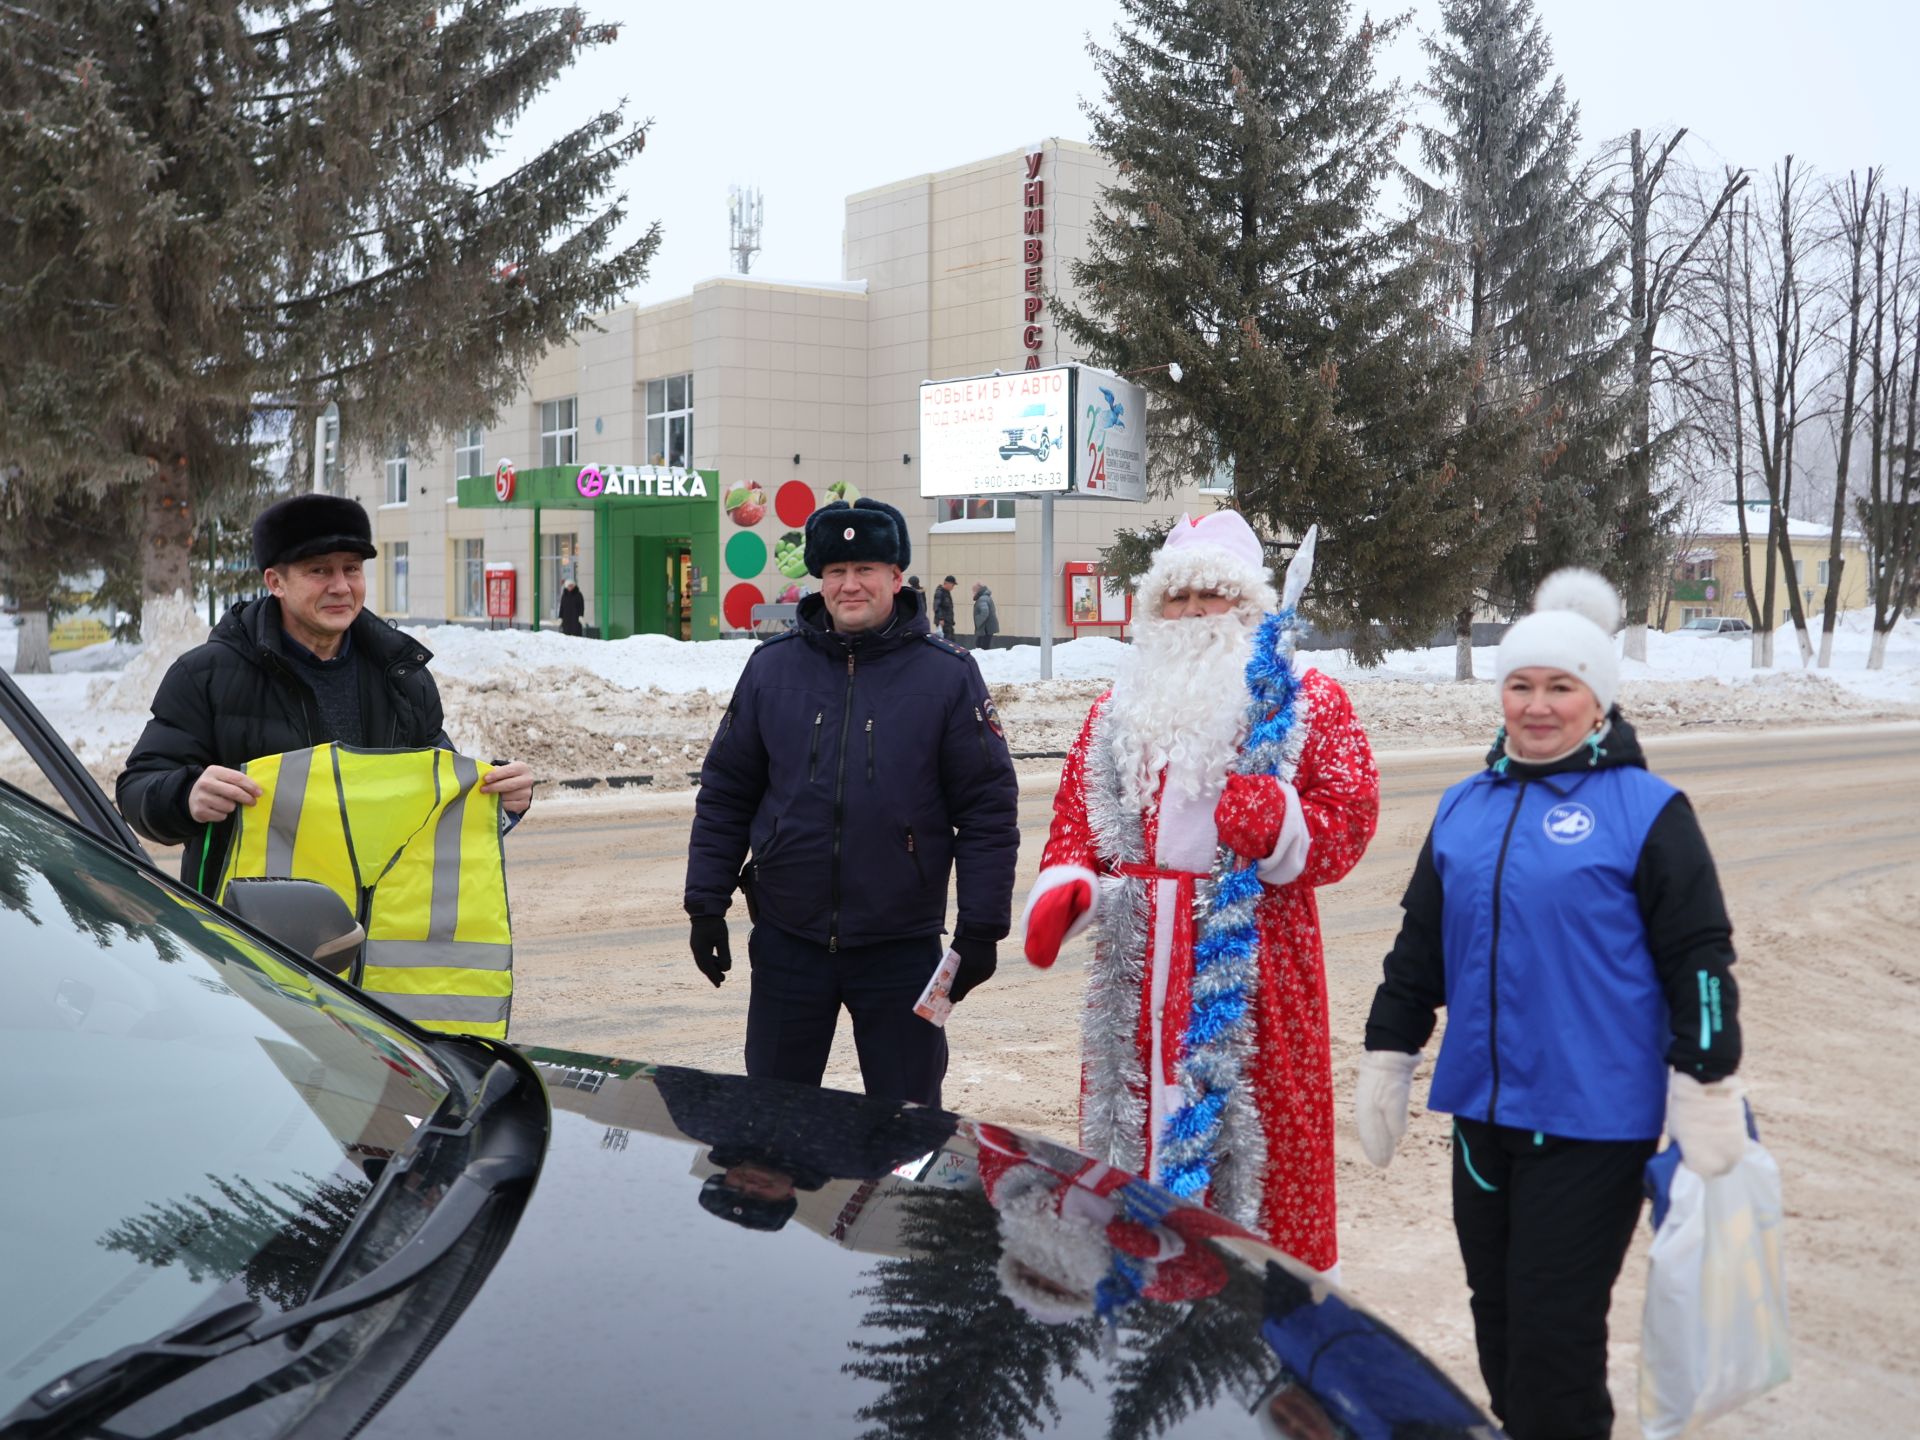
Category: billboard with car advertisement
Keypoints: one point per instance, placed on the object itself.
(1064, 430)
(997, 434)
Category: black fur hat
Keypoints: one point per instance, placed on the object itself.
(719, 1198)
(310, 524)
(839, 533)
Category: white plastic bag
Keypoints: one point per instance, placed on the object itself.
(1714, 1333)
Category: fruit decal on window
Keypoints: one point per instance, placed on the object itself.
(844, 490)
(747, 504)
(790, 555)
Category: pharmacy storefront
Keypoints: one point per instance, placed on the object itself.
(674, 552)
(655, 539)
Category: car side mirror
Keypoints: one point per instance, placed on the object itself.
(303, 915)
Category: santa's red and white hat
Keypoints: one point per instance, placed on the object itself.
(1217, 551)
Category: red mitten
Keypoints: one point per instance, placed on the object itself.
(1251, 811)
(1050, 916)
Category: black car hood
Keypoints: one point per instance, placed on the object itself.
(638, 1296)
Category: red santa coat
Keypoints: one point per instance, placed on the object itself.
(1177, 1264)
(1276, 1172)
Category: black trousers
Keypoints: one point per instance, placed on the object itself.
(794, 1005)
(1544, 1223)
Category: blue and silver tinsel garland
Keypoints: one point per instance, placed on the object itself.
(1227, 941)
(1127, 1274)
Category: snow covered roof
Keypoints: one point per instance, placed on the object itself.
(1721, 521)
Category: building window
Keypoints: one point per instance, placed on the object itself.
(559, 432)
(559, 563)
(670, 421)
(470, 578)
(1701, 569)
(976, 507)
(399, 593)
(470, 455)
(331, 480)
(1799, 572)
(1693, 612)
(1823, 571)
(397, 475)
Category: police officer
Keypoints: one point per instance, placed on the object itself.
(859, 762)
(300, 666)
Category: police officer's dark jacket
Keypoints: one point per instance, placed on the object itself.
(1569, 917)
(857, 770)
(240, 696)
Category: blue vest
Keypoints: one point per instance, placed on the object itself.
(1556, 1020)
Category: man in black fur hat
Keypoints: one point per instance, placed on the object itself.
(859, 762)
(300, 666)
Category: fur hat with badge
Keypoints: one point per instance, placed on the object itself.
(308, 525)
(1575, 613)
(866, 530)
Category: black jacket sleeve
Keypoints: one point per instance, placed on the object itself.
(733, 778)
(983, 806)
(1692, 943)
(176, 745)
(1415, 984)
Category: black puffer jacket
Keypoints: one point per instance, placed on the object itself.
(241, 696)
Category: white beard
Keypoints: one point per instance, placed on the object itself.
(1182, 705)
(1068, 1250)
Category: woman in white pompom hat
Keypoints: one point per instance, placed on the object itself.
(1566, 911)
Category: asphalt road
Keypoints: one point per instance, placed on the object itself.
(1817, 837)
(596, 878)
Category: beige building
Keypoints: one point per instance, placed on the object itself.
(1709, 581)
(668, 456)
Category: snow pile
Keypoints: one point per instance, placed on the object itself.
(168, 629)
(649, 705)
(639, 662)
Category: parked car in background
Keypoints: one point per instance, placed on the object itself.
(247, 1201)
(1715, 625)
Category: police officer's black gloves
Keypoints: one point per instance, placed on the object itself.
(711, 950)
(977, 963)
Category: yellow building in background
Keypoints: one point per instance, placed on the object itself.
(1708, 579)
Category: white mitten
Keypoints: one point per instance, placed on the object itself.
(1708, 1123)
(1380, 1102)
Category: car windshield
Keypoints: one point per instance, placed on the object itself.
(191, 1119)
(1701, 625)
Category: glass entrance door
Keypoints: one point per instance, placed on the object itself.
(680, 589)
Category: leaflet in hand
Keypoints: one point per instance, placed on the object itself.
(934, 1005)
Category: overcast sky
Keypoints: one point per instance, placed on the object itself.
(815, 102)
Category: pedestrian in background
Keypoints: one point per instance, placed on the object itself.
(943, 607)
(1566, 911)
(858, 763)
(986, 619)
(573, 608)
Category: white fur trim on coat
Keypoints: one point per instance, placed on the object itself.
(1052, 878)
(1289, 858)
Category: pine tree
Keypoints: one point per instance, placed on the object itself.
(1532, 294)
(1243, 238)
(47, 538)
(224, 216)
(963, 1361)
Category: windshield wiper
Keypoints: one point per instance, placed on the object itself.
(505, 1156)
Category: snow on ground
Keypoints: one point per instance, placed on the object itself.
(647, 705)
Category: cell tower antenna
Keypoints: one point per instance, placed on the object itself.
(745, 210)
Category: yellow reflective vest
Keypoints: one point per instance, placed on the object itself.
(413, 845)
